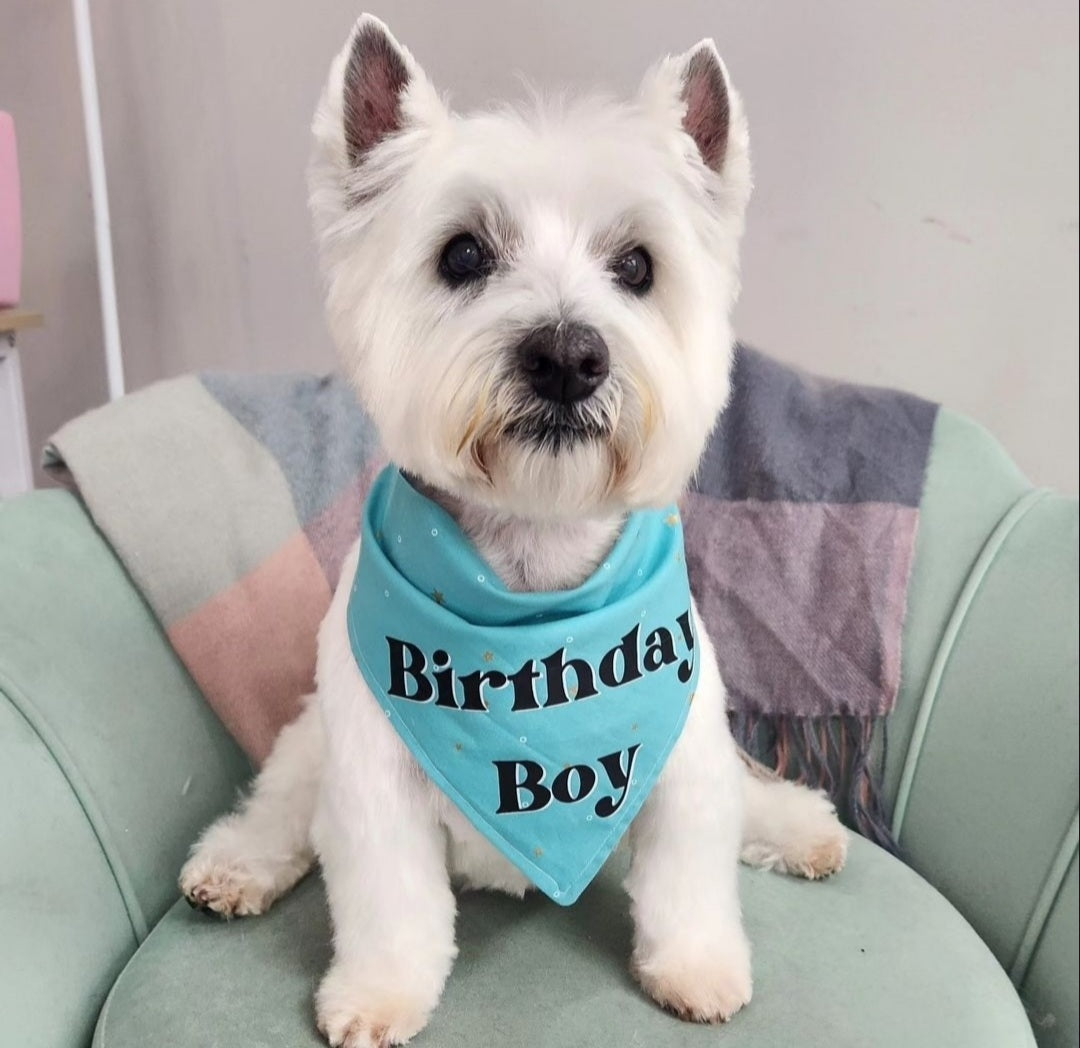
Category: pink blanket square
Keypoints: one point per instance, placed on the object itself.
(10, 227)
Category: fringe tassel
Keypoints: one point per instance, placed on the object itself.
(834, 754)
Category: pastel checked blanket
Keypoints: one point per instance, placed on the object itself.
(231, 500)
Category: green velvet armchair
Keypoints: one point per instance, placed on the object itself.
(111, 763)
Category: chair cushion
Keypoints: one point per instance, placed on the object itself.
(874, 956)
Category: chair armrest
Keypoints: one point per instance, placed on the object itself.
(984, 776)
(110, 764)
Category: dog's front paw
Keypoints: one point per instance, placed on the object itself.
(701, 985)
(229, 889)
(352, 1012)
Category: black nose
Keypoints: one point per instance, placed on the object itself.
(564, 362)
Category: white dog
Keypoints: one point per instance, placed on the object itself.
(534, 308)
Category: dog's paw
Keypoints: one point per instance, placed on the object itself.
(227, 888)
(354, 1014)
(793, 829)
(703, 986)
(817, 845)
(809, 855)
(818, 855)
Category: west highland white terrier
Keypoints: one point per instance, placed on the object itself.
(533, 305)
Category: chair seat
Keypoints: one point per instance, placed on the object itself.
(873, 958)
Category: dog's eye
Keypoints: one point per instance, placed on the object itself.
(463, 260)
(634, 270)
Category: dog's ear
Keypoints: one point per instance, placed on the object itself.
(383, 89)
(693, 90)
(704, 93)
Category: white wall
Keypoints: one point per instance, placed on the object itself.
(914, 222)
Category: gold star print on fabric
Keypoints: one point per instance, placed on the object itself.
(489, 656)
(438, 596)
(458, 747)
(538, 852)
(671, 520)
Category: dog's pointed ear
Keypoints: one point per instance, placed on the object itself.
(693, 90)
(383, 89)
(705, 95)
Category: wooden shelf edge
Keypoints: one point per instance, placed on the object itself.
(19, 320)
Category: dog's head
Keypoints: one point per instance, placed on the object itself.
(533, 305)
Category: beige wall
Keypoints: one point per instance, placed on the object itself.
(914, 223)
(62, 364)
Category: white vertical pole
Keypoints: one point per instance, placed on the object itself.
(16, 474)
(95, 149)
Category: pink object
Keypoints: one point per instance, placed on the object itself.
(10, 222)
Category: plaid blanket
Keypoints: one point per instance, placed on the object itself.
(232, 500)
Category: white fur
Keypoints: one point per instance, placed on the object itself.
(565, 174)
(566, 185)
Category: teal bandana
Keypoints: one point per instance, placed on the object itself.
(545, 717)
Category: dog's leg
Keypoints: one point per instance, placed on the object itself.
(383, 858)
(383, 853)
(247, 859)
(690, 951)
(788, 827)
